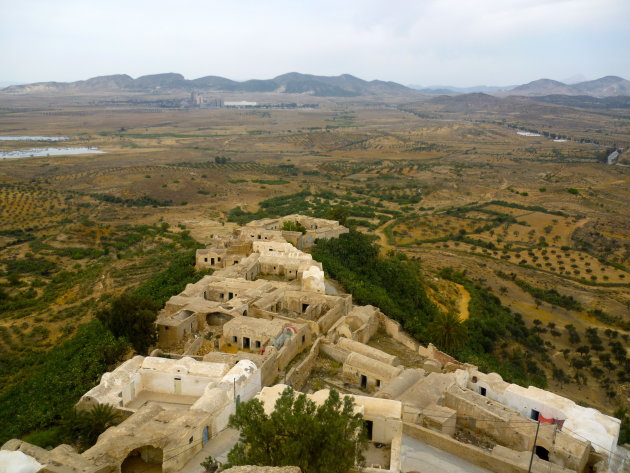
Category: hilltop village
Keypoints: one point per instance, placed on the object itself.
(267, 318)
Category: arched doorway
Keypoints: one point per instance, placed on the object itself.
(145, 459)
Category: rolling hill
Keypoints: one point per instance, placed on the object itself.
(292, 83)
(609, 86)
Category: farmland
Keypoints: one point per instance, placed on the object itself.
(542, 225)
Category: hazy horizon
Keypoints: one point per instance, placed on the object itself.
(492, 43)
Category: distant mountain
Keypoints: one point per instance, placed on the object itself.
(541, 87)
(292, 83)
(609, 86)
(449, 89)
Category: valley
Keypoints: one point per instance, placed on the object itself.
(447, 181)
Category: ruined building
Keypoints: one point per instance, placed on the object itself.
(262, 320)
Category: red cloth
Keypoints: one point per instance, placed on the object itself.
(545, 420)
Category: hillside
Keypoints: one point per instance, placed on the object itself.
(608, 86)
(604, 87)
(292, 83)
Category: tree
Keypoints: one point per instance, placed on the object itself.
(623, 414)
(83, 427)
(447, 331)
(293, 227)
(318, 439)
(583, 350)
(338, 213)
(132, 317)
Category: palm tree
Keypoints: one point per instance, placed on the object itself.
(84, 427)
(447, 331)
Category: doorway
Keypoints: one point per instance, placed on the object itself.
(246, 343)
(363, 381)
(178, 386)
(369, 428)
(146, 459)
(534, 415)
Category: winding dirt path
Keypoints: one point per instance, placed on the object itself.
(383, 238)
(463, 301)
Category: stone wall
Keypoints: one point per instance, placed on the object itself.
(395, 331)
(298, 375)
(293, 346)
(500, 460)
(193, 347)
(263, 469)
(269, 369)
(332, 316)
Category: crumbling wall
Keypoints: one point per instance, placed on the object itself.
(293, 346)
(509, 461)
(269, 368)
(298, 375)
(472, 414)
(332, 316)
(193, 347)
(395, 331)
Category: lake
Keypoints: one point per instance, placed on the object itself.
(38, 152)
(34, 138)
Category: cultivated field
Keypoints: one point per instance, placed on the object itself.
(449, 185)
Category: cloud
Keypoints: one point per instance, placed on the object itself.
(421, 41)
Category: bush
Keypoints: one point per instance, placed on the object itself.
(328, 438)
(391, 283)
(293, 227)
(52, 382)
(132, 317)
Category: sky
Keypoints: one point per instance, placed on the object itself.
(423, 42)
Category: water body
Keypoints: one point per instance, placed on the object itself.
(34, 138)
(38, 152)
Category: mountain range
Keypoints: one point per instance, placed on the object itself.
(609, 86)
(344, 85)
(292, 83)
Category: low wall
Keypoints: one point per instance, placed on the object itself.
(259, 313)
(395, 331)
(269, 370)
(194, 347)
(504, 427)
(334, 314)
(298, 375)
(477, 456)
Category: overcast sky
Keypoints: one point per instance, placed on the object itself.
(426, 42)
